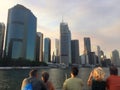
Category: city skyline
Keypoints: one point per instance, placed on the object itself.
(98, 20)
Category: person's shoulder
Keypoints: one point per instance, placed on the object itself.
(113, 78)
(25, 79)
(49, 82)
(69, 79)
(24, 82)
(108, 77)
(32, 80)
(39, 81)
(79, 79)
(36, 81)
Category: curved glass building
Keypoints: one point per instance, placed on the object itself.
(21, 33)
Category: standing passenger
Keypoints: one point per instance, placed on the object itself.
(73, 83)
(96, 79)
(113, 81)
(45, 78)
(32, 82)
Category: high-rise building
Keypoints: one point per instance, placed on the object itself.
(92, 58)
(39, 47)
(87, 45)
(115, 57)
(99, 54)
(53, 57)
(21, 33)
(103, 57)
(75, 51)
(65, 44)
(84, 59)
(2, 32)
(47, 50)
(57, 50)
(57, 47)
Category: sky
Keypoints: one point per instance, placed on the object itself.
(97, 19)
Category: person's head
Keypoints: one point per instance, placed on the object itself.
(98, 73)
(74, 71)
(113, 70)
(33, 73)
(45, 76)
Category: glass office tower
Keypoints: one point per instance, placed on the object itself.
(75, 52)
(115, 57)
(21, 33)
(87, 45)
(39, 47)
(47, 50)
(2, 32)
(65, 44)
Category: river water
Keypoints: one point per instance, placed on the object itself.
(12, 79)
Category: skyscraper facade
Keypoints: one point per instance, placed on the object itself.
(21, 33)
(87, 45)
(75, 51)
(115, 58)
(65, 44)
(92, 58)
(2, 32)
(99, 54)
(57, 47)
(47, 50)
(39, 47)
(57, 50)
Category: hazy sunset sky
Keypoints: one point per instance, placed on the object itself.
(97, 19)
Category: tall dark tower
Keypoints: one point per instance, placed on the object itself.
(75, 51)
(65, 44)
(47, 50)
(87, 45)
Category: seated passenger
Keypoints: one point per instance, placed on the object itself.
(113, 81)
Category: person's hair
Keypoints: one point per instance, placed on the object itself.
(98, 73)
(74, 71)
(33, 73)
(113, 70)
(45, 76)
